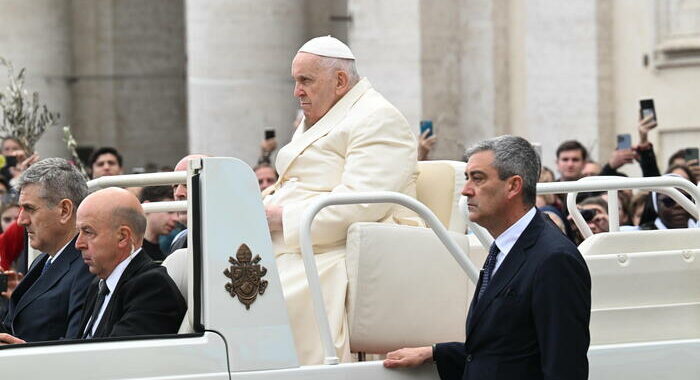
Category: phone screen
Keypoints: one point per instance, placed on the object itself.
(426, 125)
(646, 108)
(269, 134)
(10, 161)
(624, 141)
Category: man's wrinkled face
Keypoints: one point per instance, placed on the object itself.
(98, 240)
(41, 220)
(570, 164)
(266, 177)
(485, 190)
(105, 165)
(314, 85)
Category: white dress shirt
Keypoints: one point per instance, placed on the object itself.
(507, 239)
(111, 283)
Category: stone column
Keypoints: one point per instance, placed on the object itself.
(36, 35)
(238, 76)
(129, 86)
(385, 37)
(556, 90)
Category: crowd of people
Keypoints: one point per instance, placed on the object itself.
(98, 273)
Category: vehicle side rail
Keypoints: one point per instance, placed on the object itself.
(357, 198)
(664, 185)
(137, 180)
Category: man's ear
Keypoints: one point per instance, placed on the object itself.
(67, 210)
(515, 186)
(342, 82)
(125, 235)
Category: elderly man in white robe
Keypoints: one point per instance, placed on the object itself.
(350, 140)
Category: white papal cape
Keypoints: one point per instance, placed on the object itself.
(363, 143)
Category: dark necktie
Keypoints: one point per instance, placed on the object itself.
(47, 264)
(489, 266)
(102, 292)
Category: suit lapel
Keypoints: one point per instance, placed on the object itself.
(134, 267)
(49, 279)
(508, 269)
(302, 139)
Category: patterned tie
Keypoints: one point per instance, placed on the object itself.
(102, 292)
(47, 264)
(489, 266)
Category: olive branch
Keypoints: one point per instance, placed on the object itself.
(22, 117)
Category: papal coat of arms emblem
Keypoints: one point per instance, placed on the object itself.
(246, 276)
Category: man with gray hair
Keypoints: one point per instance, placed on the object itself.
(531, 308)
(47, 303)
(351, 139)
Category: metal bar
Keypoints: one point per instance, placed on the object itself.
(138, 180)
(369, 197)
(169, 206)
(576, 215)
(613, 211)
(662, 184)
(481, 233)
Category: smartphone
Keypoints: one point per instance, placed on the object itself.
(624, 141)
(269, 134)
(10, 161)
(646, 108)
(3, 282)
(426, 125)
(691, 154)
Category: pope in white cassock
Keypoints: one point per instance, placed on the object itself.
(351, 140)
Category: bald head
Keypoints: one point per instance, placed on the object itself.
(111, 224)
(182, 164)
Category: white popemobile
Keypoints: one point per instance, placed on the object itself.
(408, 286)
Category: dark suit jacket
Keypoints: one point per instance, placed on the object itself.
(532, 321)
(145, 301)
(49, 307)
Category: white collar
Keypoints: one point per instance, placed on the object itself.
(113, 278)
(507, 239)
(54, 257)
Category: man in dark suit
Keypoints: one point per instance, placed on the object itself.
(531, 309)
(47, 303)
(132, 295)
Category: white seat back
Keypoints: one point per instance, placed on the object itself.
(404, 288)
(439, 186)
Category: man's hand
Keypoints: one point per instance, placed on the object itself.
(268, 146)
(274, 218)
(621, 157)
(425, 145)
(23, 162)
(408, 357)
(9, 339)
(13, 278)
(645, 125)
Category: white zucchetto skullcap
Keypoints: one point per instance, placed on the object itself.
(327, 46)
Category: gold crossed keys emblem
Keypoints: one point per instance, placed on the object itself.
(246, 276)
